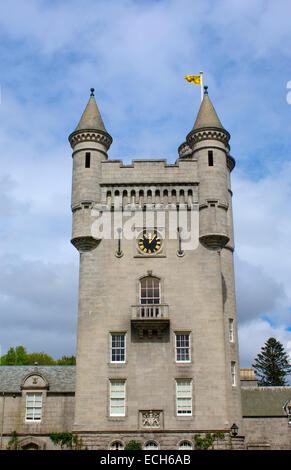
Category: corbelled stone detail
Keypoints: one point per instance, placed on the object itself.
(214, 241)
(199, 135)
(230, 161)
(91, 136)
(184, 150)
(83, 244)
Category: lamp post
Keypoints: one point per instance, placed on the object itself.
(234, 430)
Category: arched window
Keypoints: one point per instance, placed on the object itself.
(150, 291)
(151, 445)
(149, 196)
(116, 445)
(185, 445)
(124, 197)
(30, 446)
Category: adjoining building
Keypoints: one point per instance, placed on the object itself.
(157, 349)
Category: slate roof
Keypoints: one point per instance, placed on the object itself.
(207, 116)
(264, 401)
(60, 378)
(256, 401)
(91, 117)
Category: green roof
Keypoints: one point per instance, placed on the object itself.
(264, 401)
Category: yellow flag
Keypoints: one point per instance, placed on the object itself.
(193, 79)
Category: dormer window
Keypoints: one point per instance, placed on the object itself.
(34, 385)
(287, 409)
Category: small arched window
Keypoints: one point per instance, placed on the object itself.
(185, 445)
(151, 445)
(116, 445)
(150, 292)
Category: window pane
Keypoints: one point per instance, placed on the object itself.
(151, 445)
(185, 446)
(33, 406)
(118, 348)
(117, 397)
(150, 291)
(182, 347)
(184, 396)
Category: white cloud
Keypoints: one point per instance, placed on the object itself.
(253, 336)
(135, 54)
(258, 294)
(38, 300)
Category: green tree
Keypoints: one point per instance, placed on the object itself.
(272, 364)
(21, 358)
(9, 359)
(67, 361)
(133, 445)
(15, 356)
(18, 356)
(41, 358)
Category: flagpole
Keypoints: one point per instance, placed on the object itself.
(201, 85)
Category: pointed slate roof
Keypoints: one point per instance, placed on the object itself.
(91, 117)
(207, 116)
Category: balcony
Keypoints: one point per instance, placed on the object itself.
(150, 318)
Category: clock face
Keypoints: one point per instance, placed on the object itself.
(149, 242)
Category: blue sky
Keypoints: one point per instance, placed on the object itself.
(135, 54)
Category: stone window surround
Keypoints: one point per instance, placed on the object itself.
(112, 333)
(40, 407)
(183, 415)
(150, 273)
(231, 330)
(182, 332)
(121, 416)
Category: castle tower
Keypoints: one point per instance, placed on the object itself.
(90, 143)
(157, 353)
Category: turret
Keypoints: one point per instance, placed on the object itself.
(208, 143)
(90, 142)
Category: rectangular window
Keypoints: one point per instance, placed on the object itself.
(117, 347)
(230, 324)
(182, 347)
(150, 290)
(117, 397)
(87, 159)
(210, 158)
(233, 372)
(33, 406)
(184, 397)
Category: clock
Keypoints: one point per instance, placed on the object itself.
(149, 242)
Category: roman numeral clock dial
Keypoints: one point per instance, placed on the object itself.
(150, 242)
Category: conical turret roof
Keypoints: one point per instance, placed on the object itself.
(91, 117)
(207, 116)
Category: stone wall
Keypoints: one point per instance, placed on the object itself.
(265, 432)
(57, 416)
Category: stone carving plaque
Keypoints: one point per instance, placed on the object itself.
(151, 419)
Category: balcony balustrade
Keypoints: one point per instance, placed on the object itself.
(150, 318)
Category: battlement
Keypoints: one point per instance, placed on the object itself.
(147, 171)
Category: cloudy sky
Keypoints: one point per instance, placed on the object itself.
(135, 54)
